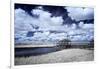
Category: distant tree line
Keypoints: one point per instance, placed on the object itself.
(66, 43)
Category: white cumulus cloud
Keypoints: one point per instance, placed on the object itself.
(79, 13)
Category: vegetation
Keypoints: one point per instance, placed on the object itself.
(63, 44)
(92, 43)
(66, 43)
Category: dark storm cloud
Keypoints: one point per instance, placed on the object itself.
(54, 10)
(27, 7)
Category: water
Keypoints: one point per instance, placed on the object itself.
(33, 51)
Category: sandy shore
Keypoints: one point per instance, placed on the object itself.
(66, 55)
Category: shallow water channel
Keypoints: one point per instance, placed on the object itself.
(33, 51)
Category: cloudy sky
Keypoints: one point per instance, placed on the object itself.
(53, 23)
